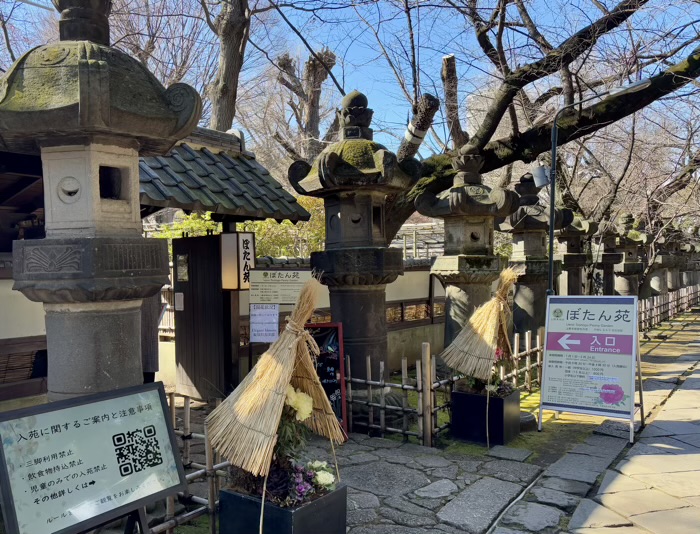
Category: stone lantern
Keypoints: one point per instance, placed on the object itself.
(690, 248)
(573, 254)
(353, 176)
(674, 242)
(629, 243)
(468, 267)
(90, 110)
(605, 254)
(528, 227)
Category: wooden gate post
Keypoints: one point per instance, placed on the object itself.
(427, 408)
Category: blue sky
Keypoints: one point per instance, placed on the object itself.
(361, 64)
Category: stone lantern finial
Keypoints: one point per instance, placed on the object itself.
(84, 20)
(355, 117)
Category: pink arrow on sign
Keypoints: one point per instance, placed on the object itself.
(603, 343)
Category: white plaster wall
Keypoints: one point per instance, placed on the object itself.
(412, 285)
(19, 316)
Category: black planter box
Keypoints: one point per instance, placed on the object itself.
(469, 417)
(240, 514)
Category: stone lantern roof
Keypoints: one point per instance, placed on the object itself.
(79, 89)
(531, 215)
(354, 162)
(579, 227)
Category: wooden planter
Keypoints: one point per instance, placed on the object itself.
(240, 514)
(469, 417)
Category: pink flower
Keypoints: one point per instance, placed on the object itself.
(611, 393)
(499, 354)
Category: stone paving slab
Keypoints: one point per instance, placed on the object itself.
(612, 530)
(511, 471)
(666, 463)
(613, 483)
(632, 503)
(590, 514)
(671, 445)
(679, 484)
(559, 499)
(683, 521)
(509, 453)
(476, 507)
(532, 516)
(581, 467)
(568, 486)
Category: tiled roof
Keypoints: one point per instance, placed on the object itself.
(199, 175)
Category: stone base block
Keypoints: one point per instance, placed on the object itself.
(93, 347)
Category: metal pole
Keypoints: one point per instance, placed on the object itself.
(553, 186)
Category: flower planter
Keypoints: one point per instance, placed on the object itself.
(240, 514)
(469, 417)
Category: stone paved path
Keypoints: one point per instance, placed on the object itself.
(652, 487)
(600, 486)
(656, 488)
(397, 488)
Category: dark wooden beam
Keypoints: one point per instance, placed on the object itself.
(20, 164)
(21, 185)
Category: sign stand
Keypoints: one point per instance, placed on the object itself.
(591, 356)
(69, 466)
(133, 519)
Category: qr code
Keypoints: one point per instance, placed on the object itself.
(137, 450)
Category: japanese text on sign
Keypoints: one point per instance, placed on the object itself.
(264, 323)
(276, 287)
(589, 358)
(69, 465)
(246, 260)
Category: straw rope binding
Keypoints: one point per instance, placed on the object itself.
(243, 428)
(473, 351)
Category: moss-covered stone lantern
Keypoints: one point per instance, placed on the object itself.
(354, 176)
(90, 110)
(528, 227)
(469, 266)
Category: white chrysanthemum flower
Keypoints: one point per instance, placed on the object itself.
(304, 405)
(316, 465)
(324, 478)
(291, 396)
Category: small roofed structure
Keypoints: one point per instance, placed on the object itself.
(212, 171)
(207, 171)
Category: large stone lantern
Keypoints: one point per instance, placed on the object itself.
(528, 227)
(606, 256)
(574, 254)
(469, 266)
(630, 243)
(353, 176)
(90, 110)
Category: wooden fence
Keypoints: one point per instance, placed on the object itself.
(431, 395)
(657, 309)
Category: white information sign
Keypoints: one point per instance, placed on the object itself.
(276, 287)
(590, 355)
(264, 323)
(246, 258)
(74, 464)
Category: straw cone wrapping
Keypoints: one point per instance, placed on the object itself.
(244, 427)
(473, 351)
